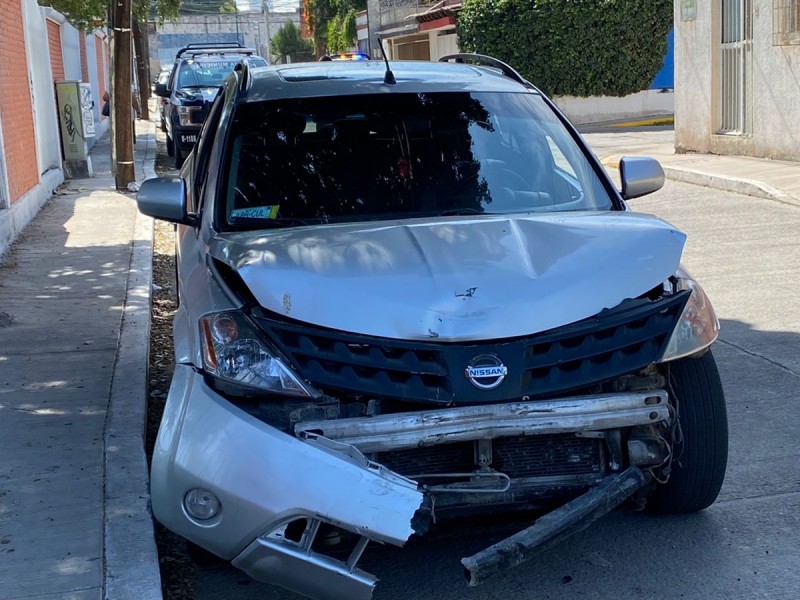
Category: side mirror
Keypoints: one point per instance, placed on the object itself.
(164, 198)
(161, 90)
(640, 175)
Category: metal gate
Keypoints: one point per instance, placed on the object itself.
(735, 66)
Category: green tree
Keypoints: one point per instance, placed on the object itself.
(86, 14)
(572, 47)
(206, 7)
(333, 23)
(288, 41)
(229, 7)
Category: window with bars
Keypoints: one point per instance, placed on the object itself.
(785, 22)
(735, 67)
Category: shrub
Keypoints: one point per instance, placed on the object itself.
(572, 47)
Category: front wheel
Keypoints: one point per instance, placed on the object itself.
(701, 456)
(170, 146)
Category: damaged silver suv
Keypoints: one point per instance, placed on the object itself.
(410, 292)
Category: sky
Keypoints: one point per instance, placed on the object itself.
(274, 5)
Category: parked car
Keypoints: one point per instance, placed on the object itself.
(410, 292)
(161, 80)
(198, 72)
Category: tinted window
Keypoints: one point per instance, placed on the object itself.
(210, 72)
(337, 159)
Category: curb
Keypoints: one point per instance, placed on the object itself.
(131, 567)
(726, 183)
(749, 187)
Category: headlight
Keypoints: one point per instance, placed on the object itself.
(698, 326)
(234, 351)
(185, 115)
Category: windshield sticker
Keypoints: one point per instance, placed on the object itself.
(224, 64)
(257, 212)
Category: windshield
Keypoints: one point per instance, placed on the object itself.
(210, 73)
(391, 156)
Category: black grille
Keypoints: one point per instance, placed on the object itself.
(520, 456)
(615, 342)
(546, 455)
(447, 458)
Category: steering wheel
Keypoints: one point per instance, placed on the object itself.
(498, 174)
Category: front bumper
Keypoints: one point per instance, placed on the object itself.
(266, 479)
(185, 137)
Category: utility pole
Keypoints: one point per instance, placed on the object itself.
(142, 70)
(121, 102)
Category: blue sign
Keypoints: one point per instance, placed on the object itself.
(665, 79)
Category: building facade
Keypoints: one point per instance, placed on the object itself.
(413, 29)
(737, 81)
(39, 48)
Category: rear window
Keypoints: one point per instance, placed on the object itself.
(394, 156)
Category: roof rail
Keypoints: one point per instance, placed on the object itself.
(208, 46)
(486, 61)
(246, 79)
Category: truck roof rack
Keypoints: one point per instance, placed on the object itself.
(212, 48)
(486, 61)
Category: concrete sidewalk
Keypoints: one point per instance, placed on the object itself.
(74, 333)
(774, 179)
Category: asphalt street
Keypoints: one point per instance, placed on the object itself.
(744, 250)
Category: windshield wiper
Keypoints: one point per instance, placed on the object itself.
(266, 223)
(463, 211)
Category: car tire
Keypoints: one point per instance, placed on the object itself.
(701, 457)
(170, 146)
(178, 156)
(163, 126)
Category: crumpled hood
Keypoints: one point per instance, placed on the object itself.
(454, 278)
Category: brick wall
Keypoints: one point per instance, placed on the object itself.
(101, 68)
(56, 58)
(84, 65)
(15, 103)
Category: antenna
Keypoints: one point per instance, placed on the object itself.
(388, 77)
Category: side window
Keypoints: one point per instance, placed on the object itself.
(173, 77)
(206, 142)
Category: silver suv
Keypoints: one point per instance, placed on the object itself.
(410, 292)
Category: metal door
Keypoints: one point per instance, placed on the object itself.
(735, 66)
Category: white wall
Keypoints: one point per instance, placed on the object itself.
(442, 45)
(70, 50)
(775, 88)
(24, 209)
(100, 126)
(776, 91)
(171, 36)
(45, 117)
(608, 108)
(694, 95)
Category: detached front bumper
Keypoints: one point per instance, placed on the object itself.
(266, 479)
